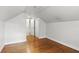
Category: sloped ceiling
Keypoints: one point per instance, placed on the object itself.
(8, 12)
(47, 13)
(57, 13)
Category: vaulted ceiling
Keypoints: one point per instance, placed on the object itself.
(47, 13)
(57, 13)
(8, 12)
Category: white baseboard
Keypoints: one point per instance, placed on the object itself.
(42, 37)
(14, 42)
(64, 43)
(1, 47)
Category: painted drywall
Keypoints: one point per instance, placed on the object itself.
(32, 26)
(15, 29)
(1, 35)
(42, 28)
(64, 32)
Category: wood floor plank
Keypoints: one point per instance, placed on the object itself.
(43, 45)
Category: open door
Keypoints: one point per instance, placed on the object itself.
(32, 40)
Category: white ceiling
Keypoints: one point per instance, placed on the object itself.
(47, 13)
(8, 12)
(59, 13)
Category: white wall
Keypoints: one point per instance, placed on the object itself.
(30, 26)
(65, 32)
(1, 35)
(42, 28)
(15, 30)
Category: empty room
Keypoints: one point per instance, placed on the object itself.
(39, 29)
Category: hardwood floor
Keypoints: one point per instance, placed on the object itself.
(43, 45)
